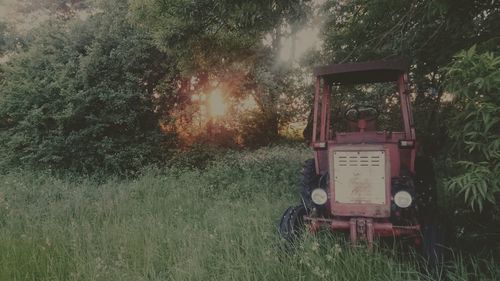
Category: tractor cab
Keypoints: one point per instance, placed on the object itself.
(361, 180)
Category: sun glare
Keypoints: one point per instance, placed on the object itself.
(216, 103)
(248, 104)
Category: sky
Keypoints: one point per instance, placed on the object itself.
(22, 21)
(5, 8)
(307, 38)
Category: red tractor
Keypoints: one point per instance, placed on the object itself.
(362, 181)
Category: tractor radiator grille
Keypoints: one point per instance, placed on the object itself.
(359, 161)
(359, 177)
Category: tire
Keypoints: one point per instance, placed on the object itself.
(309, 180)
(425, 184)
(431, 247)
(292, 223)
(428, 211)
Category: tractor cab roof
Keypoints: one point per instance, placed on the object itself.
(362, 72)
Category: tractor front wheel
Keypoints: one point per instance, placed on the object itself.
(292, 223)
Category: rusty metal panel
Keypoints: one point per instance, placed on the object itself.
(359, 176)
(325, 108)
(405, 107)
(356, 190)
(316, 110)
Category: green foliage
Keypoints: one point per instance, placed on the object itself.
(208, 35)
(4, 37)
(221, 42)
(81, 97)
(280, 94)
(198, 156)
(363, 30)
(216, 224)
(474, 80)
(381, 96)
(63, 8)
(258, 128)
(427, 32)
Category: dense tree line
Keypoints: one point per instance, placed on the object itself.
(79, 97)
(104, 91)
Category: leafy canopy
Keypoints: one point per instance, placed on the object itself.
(474, 80)
(207, 34)
(80, 97)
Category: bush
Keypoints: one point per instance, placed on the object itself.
(80, 98)
(198, 156)
(474, 129)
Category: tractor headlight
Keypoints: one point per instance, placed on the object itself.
(319, 196)
(403, 199)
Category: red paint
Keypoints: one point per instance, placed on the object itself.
(380, 228)
(417, 242)
(371, 217)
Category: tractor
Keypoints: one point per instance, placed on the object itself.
(362, 181)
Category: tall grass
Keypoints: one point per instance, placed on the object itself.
(183, 224)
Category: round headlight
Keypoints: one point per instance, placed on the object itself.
(403, 199)
(319, 196)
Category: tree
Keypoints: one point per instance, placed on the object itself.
(280, 93)
(82, 97)
(63, 9)
(208, 35)
(428, 32)
(4, 37)
(216, 41)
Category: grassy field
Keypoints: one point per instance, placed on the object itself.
(184, 224)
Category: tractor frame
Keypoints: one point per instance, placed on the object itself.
(360, 171)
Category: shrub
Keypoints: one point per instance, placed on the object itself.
(80, 98)
(474, 129)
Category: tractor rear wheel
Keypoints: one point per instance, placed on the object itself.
(292, 223)
(425, 183)
(428, 215)
(431, 247)
(309, 180)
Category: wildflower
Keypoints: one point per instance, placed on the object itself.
(337, 249)
(327, 272)
(317, 271)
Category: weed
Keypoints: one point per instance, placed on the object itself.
(184, 224)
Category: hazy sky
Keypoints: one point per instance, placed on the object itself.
(307, 38)
(22, 21)
(4, 8)
(7, 8)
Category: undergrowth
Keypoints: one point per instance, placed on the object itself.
(216, 223)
